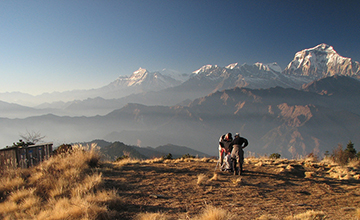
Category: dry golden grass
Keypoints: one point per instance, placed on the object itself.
(309, 174)
(208, 213)
(202, 179)
(127, 161)
(151, 216)
(357, 214)
(64, 187)
(309, 215)
(354, 163)
(215, 177)
(10, 183)
(261, 185)
(71, 186)
(267, 217)
(214, 213)
(237, 181)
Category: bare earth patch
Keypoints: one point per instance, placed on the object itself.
(268, 189)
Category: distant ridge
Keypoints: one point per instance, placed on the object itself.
(113, 150)
(334, 85)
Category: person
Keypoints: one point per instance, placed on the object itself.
(224, 146)
(237, 152)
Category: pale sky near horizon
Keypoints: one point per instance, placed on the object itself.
(48, 46)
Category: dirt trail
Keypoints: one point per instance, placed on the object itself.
(279, 190)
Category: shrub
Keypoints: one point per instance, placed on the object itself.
(313, 156)
(169, 156)
(215, 213)
(187, 156)
(63, 149)
(343, 157)
(275, 156)
(122, 157)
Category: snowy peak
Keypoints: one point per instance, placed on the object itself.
(143, 80)
(264, 67)
(206, 68)
(137, 77)
(139, 73)
(232, 66)
(322, 48)
(321, 61)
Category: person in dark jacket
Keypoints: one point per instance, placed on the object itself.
(237, 152)
(224, 146)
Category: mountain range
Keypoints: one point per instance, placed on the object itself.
(309, 106)
(114, 150)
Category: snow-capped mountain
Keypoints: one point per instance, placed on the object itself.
(141, 80)
(321, 61)
(145, 80)
(308, 65)
(254, 76)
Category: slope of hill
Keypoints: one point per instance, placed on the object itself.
(334, 85)
(269, 189)
(118, 149)
(80, 186)
(112, 151)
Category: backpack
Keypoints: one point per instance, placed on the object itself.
(227, 163)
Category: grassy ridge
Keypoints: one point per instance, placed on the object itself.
(63, 187)
(71, 186)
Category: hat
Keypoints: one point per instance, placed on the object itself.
(237, 134)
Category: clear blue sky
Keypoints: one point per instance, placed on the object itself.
(63, 45)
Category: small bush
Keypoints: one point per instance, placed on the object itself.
(343, 157)
(215, 213)
(187, 156)
(168, 157)
(313, 157)
(122, 157)
(275, 156)
(63, 149)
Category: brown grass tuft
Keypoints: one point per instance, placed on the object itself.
(10, 183)
(63, 187)
(308, 215)
(357, 213)
(214, 213)
(309, 174)
(151, 216)
(267, 217)
(215, 177)
(202, 179)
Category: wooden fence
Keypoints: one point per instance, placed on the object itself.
(26, 156)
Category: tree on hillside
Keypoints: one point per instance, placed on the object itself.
(344, 156)
(350, 150)
(32, 137)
